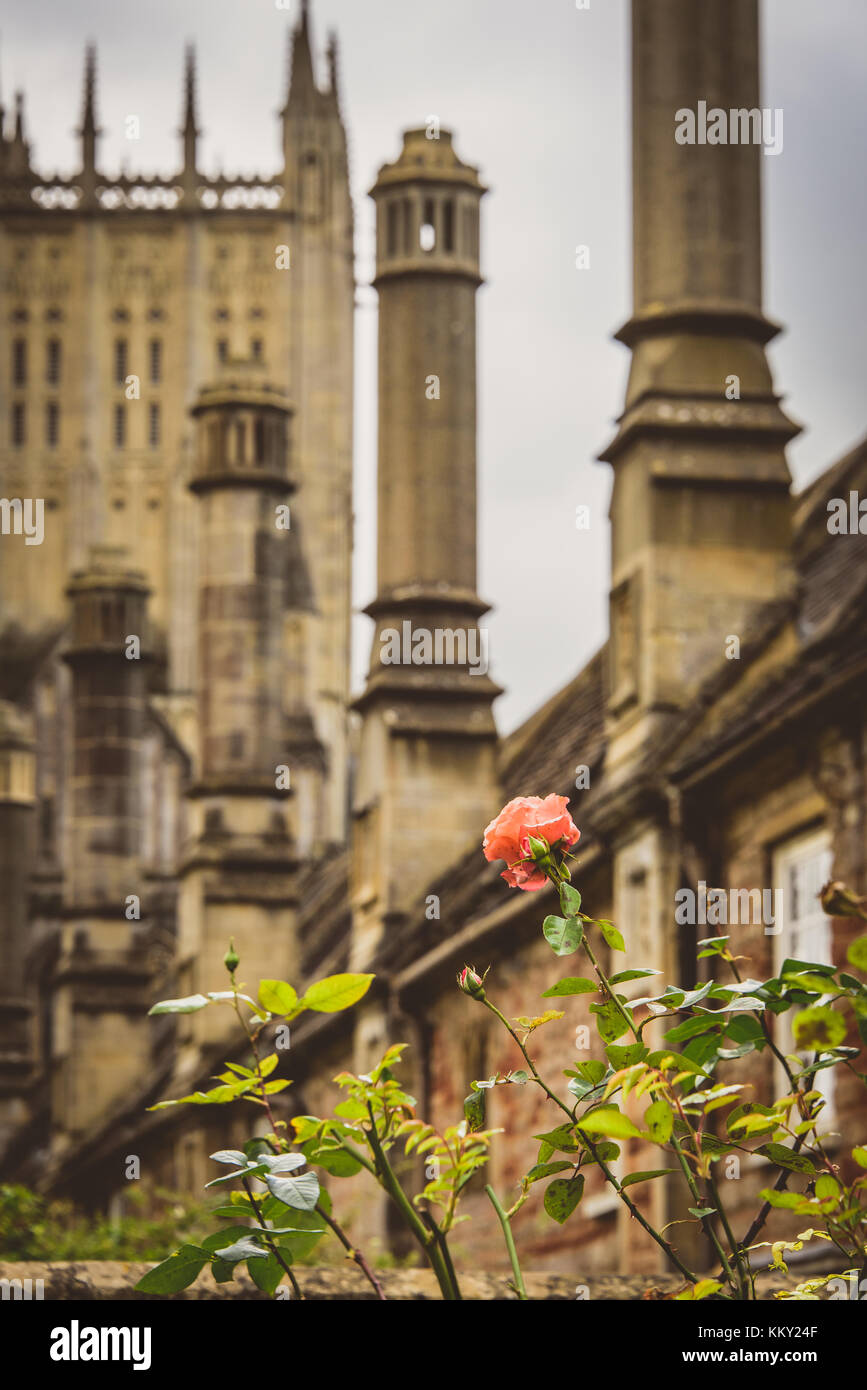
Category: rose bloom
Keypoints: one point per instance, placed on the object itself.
(507, 836)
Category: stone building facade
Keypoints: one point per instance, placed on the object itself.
(720, 732)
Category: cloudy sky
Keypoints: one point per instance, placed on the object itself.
(537, 94)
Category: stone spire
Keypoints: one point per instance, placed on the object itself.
(88, 131)
(189, 131)
(700, 507)
(303, 94)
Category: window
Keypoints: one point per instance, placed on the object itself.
(153, 425)
(52, 424)
(800, 868)
(259, 435)
(427, 237)
(120, 361)
(52, 361)
(54, 315)
(222, 314)
(256, 349)
(222, 350)
(392, 213)
(119, 426)
(18, 424)
(19, 362)
(448, 225)
(156, 359)
(155, 314)
(120, 316)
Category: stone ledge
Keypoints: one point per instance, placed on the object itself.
(115, 1280)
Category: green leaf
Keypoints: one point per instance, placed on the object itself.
(277, 997)
(570, 900)
(591, 1071)
(626, 1056)
(703, 1289)
(337, 992)
(570, 984)
(659, 1119)
(624, 975)
(819, 1027)
(301, 1193)
(612, 936)
(190, 1005)
(645, 1176)
(610, 1021)
(609, 1122)
(562, 1197)
(266, 1274)
(474, 1110)
(811, 984)
(785, 1158)
(245, 1248)
(827, 1187)
(703, 1211)
(860, 1156)
(857, 953)
(562, 1138)
(563, 934)
(546, 1170)
(177, 1272)
(790, 1201)
(690, 1028)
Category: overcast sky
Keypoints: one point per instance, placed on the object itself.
(537, 94)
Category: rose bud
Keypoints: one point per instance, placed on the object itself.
(231, 959)
(471, 983)
(839, 901)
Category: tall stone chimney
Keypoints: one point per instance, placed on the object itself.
(700, 506)
(426, 782)
(17, 848)
(237, 874)
(100, 1030)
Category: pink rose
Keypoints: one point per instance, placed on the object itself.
(507, 836)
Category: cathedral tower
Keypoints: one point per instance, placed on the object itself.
(426, 779)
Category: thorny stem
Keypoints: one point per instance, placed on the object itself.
(351, 1251)
(268, 1239)
(592, 1150)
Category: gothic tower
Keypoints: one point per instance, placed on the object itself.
(426, 779)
